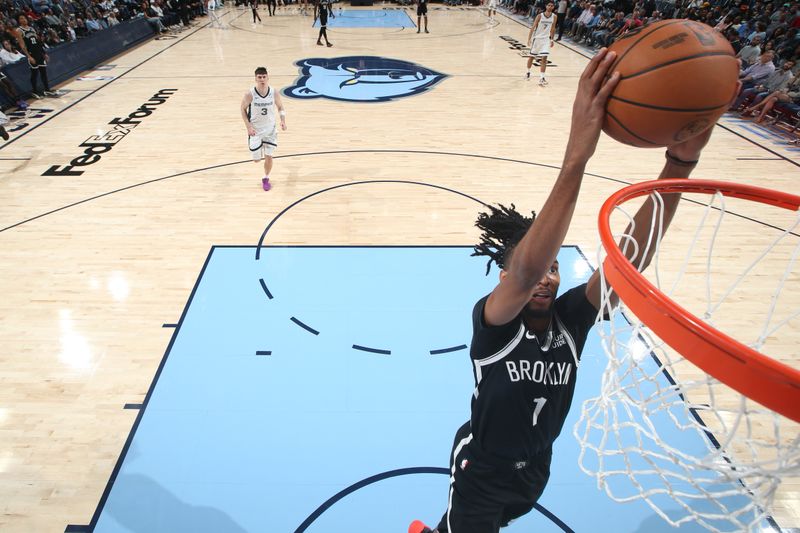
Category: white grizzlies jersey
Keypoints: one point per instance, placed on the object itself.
(543, 29)
(262, 111)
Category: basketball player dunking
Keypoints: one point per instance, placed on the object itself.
(542, 33)
(258, 114)
(526, 342)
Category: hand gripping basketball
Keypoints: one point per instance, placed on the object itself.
(588, 110)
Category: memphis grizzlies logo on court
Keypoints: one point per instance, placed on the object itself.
(361, 79)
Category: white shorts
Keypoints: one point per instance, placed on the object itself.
(491, 4)
(262, 144)
(540, 46)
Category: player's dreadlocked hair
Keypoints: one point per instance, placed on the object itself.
(503, 227)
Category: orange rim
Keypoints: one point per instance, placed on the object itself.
(757, 376)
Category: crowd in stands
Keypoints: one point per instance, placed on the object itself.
(764, 36)
(62, 21)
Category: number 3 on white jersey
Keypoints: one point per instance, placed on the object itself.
(538, 409)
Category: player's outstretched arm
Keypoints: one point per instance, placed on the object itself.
(681, 160)
(537, 250)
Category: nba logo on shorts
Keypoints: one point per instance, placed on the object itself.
(464, 464)
(361, 79)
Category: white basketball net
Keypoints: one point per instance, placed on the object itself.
(662, 430)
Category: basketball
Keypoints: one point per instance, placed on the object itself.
(677, 78)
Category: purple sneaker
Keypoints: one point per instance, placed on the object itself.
(266, 184)
(22, 105)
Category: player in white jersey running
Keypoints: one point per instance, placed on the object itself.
(258, 114)
(540, 39)
(211, 8)
(491, 8)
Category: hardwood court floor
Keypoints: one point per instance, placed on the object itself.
(94, 264)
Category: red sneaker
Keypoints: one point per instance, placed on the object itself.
(418, 527)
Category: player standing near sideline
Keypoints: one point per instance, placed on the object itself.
(526, 342)
(32, 47)
(422, 11)
(258, 112)
(540, 39)
(561, 13)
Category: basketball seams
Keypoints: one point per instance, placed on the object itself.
(673, 109)
(641, 38)
(629, 132)
(674, 61)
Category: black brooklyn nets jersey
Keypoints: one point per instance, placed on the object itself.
(524, 385)
(324, 11)
(32, 43)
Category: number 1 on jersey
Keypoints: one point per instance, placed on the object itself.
(538, 409)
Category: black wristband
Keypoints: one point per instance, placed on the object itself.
(680, 162)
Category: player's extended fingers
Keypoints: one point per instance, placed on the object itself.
(588, 72)
(607, 88)
(601, 72)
